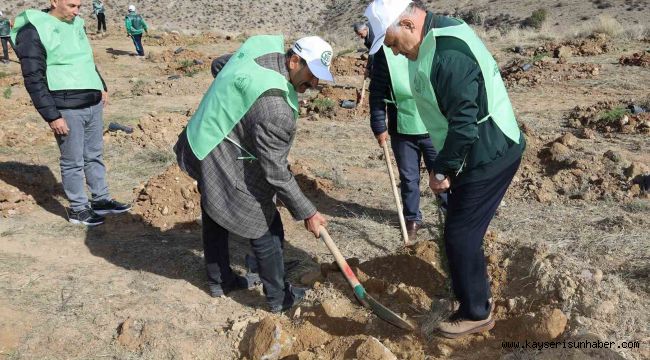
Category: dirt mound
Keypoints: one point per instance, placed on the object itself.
(181, 61)
(532, 297)
(565, 169)
(593, 45)
(349, 65)
(522, 73)
(153, 130)
(637, 59)
(612, 117)
(336, 102)
(170, 199)
(13, 201)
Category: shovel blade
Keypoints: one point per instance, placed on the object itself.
(387, 315)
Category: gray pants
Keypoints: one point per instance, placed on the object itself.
(81, 156)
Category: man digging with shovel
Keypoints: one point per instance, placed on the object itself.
(463, 103)
(236, 147)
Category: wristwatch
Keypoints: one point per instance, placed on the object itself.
(440, 177)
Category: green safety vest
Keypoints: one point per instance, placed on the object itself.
(408, 118)
(69, 57)
(137, 23)
(232, 93)
(499, 106)
(5, 27)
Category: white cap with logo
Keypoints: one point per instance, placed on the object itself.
(381, 14)
(132, 8)
(318, 55)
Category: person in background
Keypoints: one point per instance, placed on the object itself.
(135, 27)
(5, 31)
(98, 10)
(365, 33)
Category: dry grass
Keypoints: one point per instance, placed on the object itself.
(613, 28)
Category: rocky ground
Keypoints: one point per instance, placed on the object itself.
(567, 254)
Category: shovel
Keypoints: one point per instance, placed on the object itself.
(364, 298)
(389, 164)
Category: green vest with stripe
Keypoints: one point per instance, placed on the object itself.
(408, 118)
(499, 106)
(232, 93)
(69, 57)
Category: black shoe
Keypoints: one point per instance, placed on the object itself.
(293, 296)
(108, 207)
(238, 283)
(86, 217)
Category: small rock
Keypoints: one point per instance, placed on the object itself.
(270, 341)
(391, 290)
(587, 133)
(598, 276)
(512, 303)
(373, 349)
(568, 139)
(178, 51)
(614, 156)
(560, 152)
(198, 62)
(549, 325)
(237, 326)
(165, 211)
(186, 193)
(336, 308)
(636, 169)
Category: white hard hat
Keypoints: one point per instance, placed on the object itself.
(318, 55)
(132, 8)
(381, 14)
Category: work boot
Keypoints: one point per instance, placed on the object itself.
(457, 326)
(292, 296)
(110, 207)
(412, 228)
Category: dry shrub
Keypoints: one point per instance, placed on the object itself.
(602, 25)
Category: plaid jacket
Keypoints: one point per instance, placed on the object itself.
(240, 195)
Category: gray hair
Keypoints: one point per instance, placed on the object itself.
(360, 26)
(410, 10)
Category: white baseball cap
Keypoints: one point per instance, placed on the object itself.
(132, 8)
(381, 14)
(318, 55)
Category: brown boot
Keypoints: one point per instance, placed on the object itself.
(456, 326)
(412, 228)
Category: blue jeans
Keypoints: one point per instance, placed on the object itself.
(137, 41)
(409, 151)
(267, 249)
(82, 156)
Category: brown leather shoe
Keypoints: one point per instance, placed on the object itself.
(456, 326)
(412, 228)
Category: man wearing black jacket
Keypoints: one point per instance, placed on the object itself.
(464, 104)
(68, 92)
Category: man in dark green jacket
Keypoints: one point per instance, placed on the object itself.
(135, 26)
(5, 29)
(462, 101)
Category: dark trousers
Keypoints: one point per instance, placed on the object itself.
(5, 47)
(267, 250)
(101, 22)
(137, 41)
(409, 151)
(470, 209)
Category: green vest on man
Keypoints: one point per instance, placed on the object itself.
(499, 106)
(70, 61)
(408, 119)
(241, 81)
(5, 26)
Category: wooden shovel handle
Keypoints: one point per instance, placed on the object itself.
(359, 291)
(396, 195)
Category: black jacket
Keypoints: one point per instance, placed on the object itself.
(32, 55)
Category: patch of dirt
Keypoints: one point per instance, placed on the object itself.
(153, 130)
(611, 117)
(522, 73)
(181, 61)
(596, 44)
(177, 39)
(637, 59)
(13, 201)
(170, 199)
(349, 65)
(566, 169)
